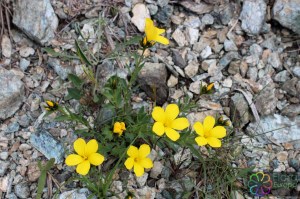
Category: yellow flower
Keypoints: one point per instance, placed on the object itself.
(209, 86)
(166, 121)
(87, 155)
(119, 127)
(51, 106)
(138, 159)
(153, 34)
(208, 134)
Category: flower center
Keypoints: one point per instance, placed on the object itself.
(137, 159)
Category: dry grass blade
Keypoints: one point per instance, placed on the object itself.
(5, 15)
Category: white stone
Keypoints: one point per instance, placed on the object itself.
(140, 13)
(206, 52)
(172, 81)
(192, 35)
(179, 37)
(6, 46)
(191, 69)
(195, 87)
(227, 83)
(141, 181)
(26, 51)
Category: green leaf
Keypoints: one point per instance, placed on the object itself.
(62, 118)
(42, 178)
(81, 55)
(74, 93)
(51, 52)
(75, 80)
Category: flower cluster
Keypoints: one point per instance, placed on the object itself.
(51, 106)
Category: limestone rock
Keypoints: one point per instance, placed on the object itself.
(11, 93)
(140, 13)
(36, 18)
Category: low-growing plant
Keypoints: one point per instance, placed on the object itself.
(121, 137)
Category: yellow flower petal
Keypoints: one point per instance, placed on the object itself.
(214, 142)
(172, 111)
(117, 127)
(96, 159)
(50, 103)
(83, 168)
(180, 123)
(158, 128)
(201, 141)
(123, 126)
(210, 86)
(218, 132)
(158, 114)
(146, 163)
(129, 163)
(172, 134)
(198, 127)
(162, 40)
(79, 146)
(73, 160)
(91, 147)
(138, 170)
(144, 150)
(208, 123)
(133, 152)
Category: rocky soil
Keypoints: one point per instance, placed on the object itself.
(249, 49)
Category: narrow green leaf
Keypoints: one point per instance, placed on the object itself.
(73, 93)
(42, 178)
(75, 80)
(81, 55)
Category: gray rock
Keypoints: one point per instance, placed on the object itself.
(277, 128)
(282, 76)
(287, 13)
(199, 46)
(275, 61)
(26, 51)
(252, 73)
(207, 19)
(4, 155)
(266, 100)
(12, 127)
(172, 81)
(253, 16)
(239, 110)
(156, 170)
(296, 71)
(24, 63)
(153, 77)
(6, 46)
(228, 57)
(61, 70)
(256, 49)
(290, 87)
(11, 196)
(179, 37)
(226, 14)
(22, 190)
(44, 142)
(291, 110)
(162, 3)
(191, 69)
(192, 35)
(178, 60)
(206, 52)
(192, 22)
(24, 120)
(83, 193)
(141, 181)
(199, 8)
(234, 67)
(39, 25)
(229, 45)
(152, 9)
(164, 14)
(11, 93)
(3, 167)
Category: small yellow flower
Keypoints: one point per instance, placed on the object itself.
(153, 35)
(87, 155)
(138, 159)
(209, 86)
(119, 127)
(166, 121)
(51, 106)
(208, 134)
